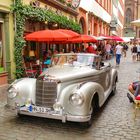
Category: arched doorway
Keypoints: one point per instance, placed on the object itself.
(82, 24)
(128, 17)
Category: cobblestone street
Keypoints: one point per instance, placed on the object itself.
(115, 120)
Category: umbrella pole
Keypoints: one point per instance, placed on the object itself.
(48, 46)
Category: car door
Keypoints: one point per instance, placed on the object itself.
(105, 77)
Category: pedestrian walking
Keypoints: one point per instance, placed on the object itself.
(131, 45)
(108, 50)
(125, 47)
(134, 52)
(118, 51)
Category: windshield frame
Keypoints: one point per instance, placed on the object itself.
(73, 59)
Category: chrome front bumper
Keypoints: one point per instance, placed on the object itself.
(54, 115)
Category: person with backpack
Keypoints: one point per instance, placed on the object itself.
(134, 88)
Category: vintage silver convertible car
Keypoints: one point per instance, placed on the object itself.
(72, 89)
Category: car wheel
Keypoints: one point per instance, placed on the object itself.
(93, 111)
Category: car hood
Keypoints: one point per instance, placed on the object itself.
(69, 72)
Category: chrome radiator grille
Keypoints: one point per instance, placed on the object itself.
(46, 93)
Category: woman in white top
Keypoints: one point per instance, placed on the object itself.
(118, 51)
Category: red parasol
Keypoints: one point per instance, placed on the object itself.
(50, 35)
(117, 38)
(105, 37)
(84, 39)
(69, 32)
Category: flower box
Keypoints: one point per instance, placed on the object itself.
(3, 78)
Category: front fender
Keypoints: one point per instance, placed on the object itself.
(87, 90)
(25, 90)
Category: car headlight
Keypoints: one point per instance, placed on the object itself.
(12, 92)
(76, 99)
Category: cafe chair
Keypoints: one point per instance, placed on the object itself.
(30, 72)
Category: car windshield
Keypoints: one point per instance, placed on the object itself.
(73, 59)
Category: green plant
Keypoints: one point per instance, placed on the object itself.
(24, 12)
(62, 1)
(69, 5)
(1, 69)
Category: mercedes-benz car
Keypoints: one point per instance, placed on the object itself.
(72, 89)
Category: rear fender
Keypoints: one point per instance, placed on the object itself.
(114, 77)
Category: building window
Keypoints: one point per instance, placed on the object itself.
(95, 29)
(128, 18)
(104, 30)
(107, 7)
(103, 4)
(100, 29)
(82, 25)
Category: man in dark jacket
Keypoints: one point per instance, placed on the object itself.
(134, 88)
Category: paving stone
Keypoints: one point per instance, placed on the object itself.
(114, 121)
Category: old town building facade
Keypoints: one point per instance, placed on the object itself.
(132, 12)
(6, 41)
(61, 8)
(100, 17)
(118, 15)
(97, 17)
(9, 26)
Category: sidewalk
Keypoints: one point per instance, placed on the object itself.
(3, 89)
(3, 96)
